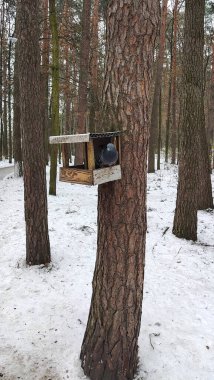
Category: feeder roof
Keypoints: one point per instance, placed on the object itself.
(81, 138)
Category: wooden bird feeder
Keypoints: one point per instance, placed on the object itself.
(90, 172)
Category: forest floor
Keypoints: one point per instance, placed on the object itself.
(44, 310)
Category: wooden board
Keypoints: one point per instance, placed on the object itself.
(63, 139)
(76, 175)
(106, 175)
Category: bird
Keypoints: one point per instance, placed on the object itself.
(108, 156)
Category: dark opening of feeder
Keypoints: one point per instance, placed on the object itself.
(107, 155)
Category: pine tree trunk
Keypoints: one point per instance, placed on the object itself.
(55, 95)
(174, 77)
(37, 239)
(110, 349)
(5, 100)
(205, 199)
(1, 87)
(45, 74)
(156, 99)
(192, 115)
(159, 132)
(83, 77)
(94, 97)
(9, 104)
(17, 148)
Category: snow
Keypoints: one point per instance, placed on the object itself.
(5, 163)
(44, 310)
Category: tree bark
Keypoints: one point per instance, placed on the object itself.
(174, 77)
(94, 96)
(156, 99)
(192, 116)
(110, 349)
(55, 95)
(37, 239)
(83, 77)
(45, 74)
(17, 146)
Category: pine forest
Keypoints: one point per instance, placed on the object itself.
(106, 189)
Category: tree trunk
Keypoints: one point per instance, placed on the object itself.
(55, 95)
(192, 116)
(1, 82)
(37, 239)
(110, 349)
(83, 77)
(9, 103)
(205, 199)
(17, 146)
(159, 132)
(174, 76)
(211, 110)
(94, 97)
(5, 103)
(45, 74)
(156, 99)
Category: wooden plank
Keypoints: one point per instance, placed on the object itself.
(63, 139)
(90, 155)
(103, 175)
(74, 175)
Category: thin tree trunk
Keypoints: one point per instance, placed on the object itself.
(5, 100)
(83, 77)
(55, 95)
(110, 345)
(174, 77)
(37, 239)
(159, 132)
(17, 148)
(9, 103)
(94, 97)
(45, 74)
(192, 115)
(156, 99)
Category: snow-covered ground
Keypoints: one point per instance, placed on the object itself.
(43, 311)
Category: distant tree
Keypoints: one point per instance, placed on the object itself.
(192, 123)
(83, 75)
(174, 133)
(156, 105)
(17, 146)
(110, 345)
(35, 195)
(55, 94)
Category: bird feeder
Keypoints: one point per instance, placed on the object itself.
(101, 163)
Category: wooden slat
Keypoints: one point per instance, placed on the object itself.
(90, 155)
(106, 174)
(74, 175)
(63, 139)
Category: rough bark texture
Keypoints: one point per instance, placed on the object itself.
(192, 117)
(83, 76)
(45, 50)
(154, 129)
(17, 148)
(10, 147)
(110, 349)
(211, 112)
(55, 95)
(37, 239)
(94, 97)
(174, 76)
